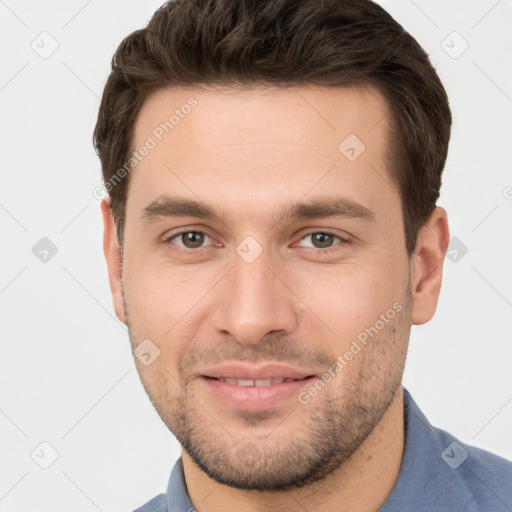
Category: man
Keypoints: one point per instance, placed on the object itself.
(271, 234)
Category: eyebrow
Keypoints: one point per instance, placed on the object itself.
(332, 206)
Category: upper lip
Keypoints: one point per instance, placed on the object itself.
(255, 372)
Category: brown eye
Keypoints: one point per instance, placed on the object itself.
(189, 239)
(321, 240)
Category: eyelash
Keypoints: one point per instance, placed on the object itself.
(328, 250)
(314, 250)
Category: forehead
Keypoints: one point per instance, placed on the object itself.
(312, 112)
(234, 145)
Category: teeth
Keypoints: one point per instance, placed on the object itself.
(257, 383)
(244, 382)
(263, 382)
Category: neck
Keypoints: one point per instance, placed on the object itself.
(361, 484)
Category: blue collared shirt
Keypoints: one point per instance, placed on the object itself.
(438, 474)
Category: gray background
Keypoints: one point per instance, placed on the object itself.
(67, 377)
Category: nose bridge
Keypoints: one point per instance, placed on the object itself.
(254, 301)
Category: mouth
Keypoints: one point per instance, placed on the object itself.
(254, 388)
(255, 382)
(264, 374)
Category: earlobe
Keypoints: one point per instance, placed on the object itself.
(113, 259)
(427, 266)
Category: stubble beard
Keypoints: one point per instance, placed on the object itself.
(332, 426)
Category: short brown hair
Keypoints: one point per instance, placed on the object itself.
(284, 43)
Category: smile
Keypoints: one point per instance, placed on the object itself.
(257, 382)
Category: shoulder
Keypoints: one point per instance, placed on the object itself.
(157, 504)
(440, 472)
(481, 479)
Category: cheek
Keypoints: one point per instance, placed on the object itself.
(351, 294)
(162, 302)
(172, 304)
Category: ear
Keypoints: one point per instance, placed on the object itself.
(427, 266)
(113, 257)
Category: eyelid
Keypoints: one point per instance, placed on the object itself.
(179, 235)
(171, 233)
(342, 235)
(343, 240)
(169, 239)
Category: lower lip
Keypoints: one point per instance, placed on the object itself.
(254, 398)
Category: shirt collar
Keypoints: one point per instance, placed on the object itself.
(419, 465)
(178, 499)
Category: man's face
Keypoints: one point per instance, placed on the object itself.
(253, 294)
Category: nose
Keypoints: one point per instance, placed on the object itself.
(254, 301)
